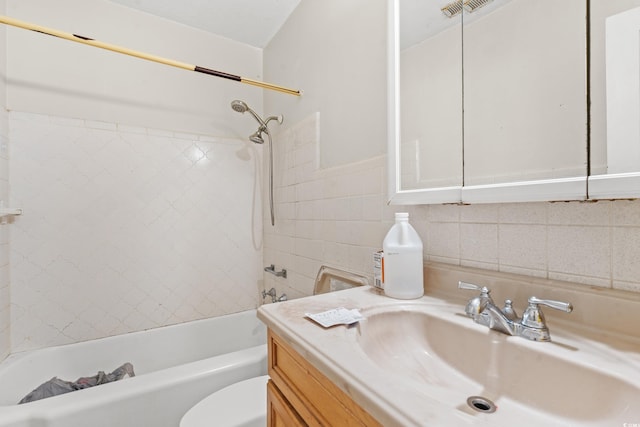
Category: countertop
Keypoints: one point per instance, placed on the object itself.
(392, 401)
(332, 352)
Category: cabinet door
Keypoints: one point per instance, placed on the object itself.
(615, 99)
(525, 109)
(279, 412)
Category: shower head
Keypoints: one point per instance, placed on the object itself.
(242, 107)
(257, 138)
(239, 106)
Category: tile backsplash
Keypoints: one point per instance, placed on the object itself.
(339, 217)
(126, 229)
(129, 228)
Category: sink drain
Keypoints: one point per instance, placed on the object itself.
(481, 404)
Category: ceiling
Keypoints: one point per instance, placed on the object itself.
(420, 19)
(253, 22)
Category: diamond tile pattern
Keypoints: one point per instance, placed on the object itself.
(5, 318)
(126, 229)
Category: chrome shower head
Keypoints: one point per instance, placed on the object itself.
(242, 107)
(239, 106)
(256, 138)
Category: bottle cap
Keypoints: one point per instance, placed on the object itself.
(402, 215)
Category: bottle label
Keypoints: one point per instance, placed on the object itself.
(378, 270)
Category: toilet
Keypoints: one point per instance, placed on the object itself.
(243, 404)
(240, 404)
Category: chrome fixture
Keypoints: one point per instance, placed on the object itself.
(256, 137)
(272, 269)
(274, 298)
(531, 326)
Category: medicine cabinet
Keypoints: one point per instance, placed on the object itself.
(491, 104)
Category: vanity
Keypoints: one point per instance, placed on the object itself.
(425, 362)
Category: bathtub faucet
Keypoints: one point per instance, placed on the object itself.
(274, 298)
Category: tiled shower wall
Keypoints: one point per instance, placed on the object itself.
(127, 228)
(5, 342)
(339, 217)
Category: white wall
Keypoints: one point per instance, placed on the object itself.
(127, 228)
(431, 111)
(337, 216)
(600, 11)
(529, 67)
(4, 195)
(141, 203)
(54, 76)
(335, 51)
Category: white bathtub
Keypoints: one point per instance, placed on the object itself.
(176, 367)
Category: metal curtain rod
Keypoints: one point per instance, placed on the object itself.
(95, 43)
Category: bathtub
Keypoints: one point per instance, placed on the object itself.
(176, 367)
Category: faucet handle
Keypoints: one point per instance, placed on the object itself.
(472, 287)
(533, 317)
(476, 305)
(567, 307)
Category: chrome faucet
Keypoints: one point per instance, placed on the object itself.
(531, 326)
(272, 293)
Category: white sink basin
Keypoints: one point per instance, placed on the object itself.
(444, 353)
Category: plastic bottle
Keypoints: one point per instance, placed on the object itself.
(403, 268)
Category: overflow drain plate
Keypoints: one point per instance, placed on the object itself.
(481, 404)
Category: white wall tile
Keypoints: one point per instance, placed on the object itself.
(125, 231)
(523, 213)
(626, 254)
(479, 213)
(5, 307)
(443, 240)
(580, 213)
(580, 251)
(444, 213)
(523, 246)
(479, 243)
(565, 241)
(625, 212)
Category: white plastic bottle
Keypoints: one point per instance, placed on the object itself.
(403, 268)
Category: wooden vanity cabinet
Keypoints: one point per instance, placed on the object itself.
(299, 395)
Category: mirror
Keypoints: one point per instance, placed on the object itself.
(514, 128)
(525, 115)
(615, 98)
(430, 88)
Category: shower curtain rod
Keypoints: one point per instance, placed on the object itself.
(95, 43)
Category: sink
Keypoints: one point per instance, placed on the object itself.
(440, 351)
